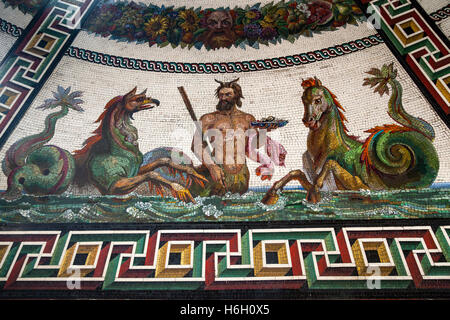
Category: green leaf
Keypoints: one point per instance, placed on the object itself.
(284, 32)
(165, 43)
(269, 5)
(267, 8)
(353, 21)
(239, 41)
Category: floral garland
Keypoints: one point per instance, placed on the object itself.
(26, 6)
(221, 27)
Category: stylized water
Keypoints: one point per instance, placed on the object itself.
(430, 203)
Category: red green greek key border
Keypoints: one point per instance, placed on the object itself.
(419, 43)
(34, 56)
(208, 258)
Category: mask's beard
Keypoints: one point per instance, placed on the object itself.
(220, 39)
(224, 105)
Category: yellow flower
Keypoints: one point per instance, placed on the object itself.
(250, 14)
(156, 26)
(191, 20)
(356, 9)
(281, 12)
(268, 21)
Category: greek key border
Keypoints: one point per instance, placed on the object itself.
(419, 45)
(224, 67)
(413, 256)
(34, 56)
(441, 14)
(404, 257)
(10, 28)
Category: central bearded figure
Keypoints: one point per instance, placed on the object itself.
(234, 139)
(223, 141)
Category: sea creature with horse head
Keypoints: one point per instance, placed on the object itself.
(394, 156)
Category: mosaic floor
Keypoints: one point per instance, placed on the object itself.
(187, 149)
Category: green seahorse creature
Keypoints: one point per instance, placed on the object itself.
(36, 168)
(394, 156)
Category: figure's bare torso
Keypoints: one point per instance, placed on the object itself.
(233, 126)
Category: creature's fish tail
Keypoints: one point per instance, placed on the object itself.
(383, 78)
(400, 157)
(49, 170)
(18, 152)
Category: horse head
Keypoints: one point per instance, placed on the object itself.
(317, 103)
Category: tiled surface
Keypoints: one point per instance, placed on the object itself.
(218, 257)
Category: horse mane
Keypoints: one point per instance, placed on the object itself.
(91, 141)
(314, 82)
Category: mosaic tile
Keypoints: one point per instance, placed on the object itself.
(191, 149)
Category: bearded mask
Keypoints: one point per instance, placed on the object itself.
(220, 32)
